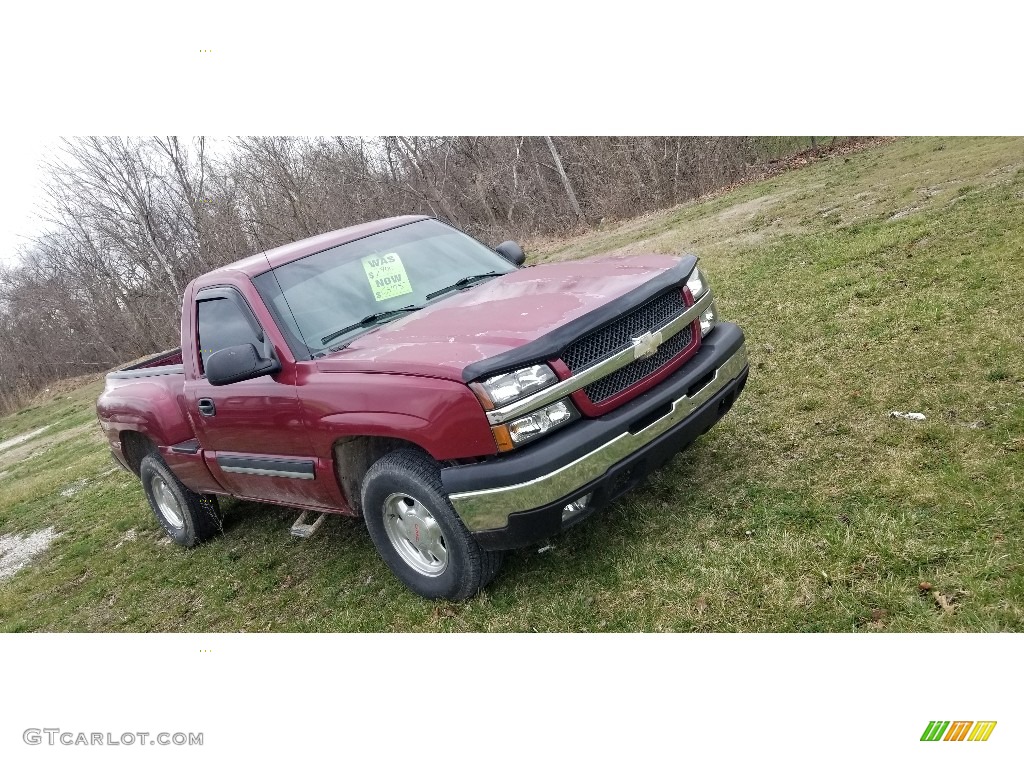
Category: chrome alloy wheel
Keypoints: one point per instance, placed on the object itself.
(167, 502)
(415, 534)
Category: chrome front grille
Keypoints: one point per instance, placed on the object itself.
(619, 335)
(630, 374)
(616, 336)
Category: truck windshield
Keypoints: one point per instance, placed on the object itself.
(324, 300)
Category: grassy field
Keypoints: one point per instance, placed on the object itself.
(885, 280)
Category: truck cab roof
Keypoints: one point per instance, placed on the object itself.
(259, 263)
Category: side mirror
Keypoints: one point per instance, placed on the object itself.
(512, 251)
(240, 363)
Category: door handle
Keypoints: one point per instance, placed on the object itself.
(206, 406)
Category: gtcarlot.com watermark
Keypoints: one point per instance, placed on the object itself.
(58, 737)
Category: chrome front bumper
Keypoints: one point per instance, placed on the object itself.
(490, 508)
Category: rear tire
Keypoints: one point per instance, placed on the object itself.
(417, 531)
(189, 518)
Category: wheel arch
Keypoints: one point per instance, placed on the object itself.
(354, 455)
(135, 446)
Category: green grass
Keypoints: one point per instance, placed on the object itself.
(880, 281)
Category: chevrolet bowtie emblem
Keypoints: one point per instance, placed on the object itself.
(646, 345)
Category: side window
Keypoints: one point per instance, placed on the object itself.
(222, 324)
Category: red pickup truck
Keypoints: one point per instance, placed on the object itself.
(402, 371)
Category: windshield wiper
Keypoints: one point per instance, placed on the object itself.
(367, 321)
(459, 283)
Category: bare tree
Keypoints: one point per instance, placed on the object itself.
(132, 220)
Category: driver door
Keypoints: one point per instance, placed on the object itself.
(250, 432)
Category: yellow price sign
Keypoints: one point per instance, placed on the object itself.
(386, 275)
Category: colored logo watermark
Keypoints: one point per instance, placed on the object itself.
(958, 730)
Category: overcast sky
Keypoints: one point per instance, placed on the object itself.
(20, 194)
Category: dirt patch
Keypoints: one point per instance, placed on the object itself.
(38, 445)
(748, 209)
(22, 438)
(17, 551)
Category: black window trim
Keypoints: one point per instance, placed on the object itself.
(296, 346)
(235, 296)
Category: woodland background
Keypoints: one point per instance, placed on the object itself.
(129, 221)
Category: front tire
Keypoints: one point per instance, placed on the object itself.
(417, 531)
(189, 518)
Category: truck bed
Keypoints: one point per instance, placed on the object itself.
(163, 364)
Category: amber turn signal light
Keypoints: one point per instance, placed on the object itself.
(481, 395)
(502, 438)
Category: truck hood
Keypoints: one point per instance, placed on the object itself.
(495, 316)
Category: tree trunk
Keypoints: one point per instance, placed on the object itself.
(565, 179)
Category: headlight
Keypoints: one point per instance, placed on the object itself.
(541, 422)
(507, 387)
(697, 284)
(533, 425)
